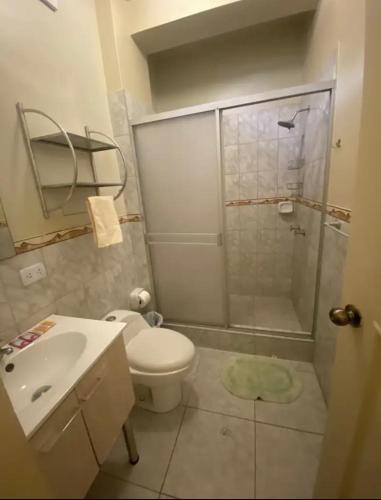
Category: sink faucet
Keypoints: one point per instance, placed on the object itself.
(5, 351)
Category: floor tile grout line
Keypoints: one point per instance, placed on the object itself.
(113, 476)
(173, 451)
(215, 412)
(290, 428)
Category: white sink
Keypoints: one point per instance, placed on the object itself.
(38, 368)
(48, 369)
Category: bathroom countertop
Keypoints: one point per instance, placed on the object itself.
(43, 363)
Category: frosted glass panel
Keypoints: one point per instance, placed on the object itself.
(178, 172)
(178, 167)
(188, 282)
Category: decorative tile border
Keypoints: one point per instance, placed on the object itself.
(66, 234)
(315, 205)
(259, 201)
(343, 214)
(30, 244)
(340, 213)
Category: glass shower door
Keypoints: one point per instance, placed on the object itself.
(274, 154)
(179, 177)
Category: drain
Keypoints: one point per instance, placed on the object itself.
(37, 394)
(225, 431)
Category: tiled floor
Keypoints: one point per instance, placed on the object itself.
(218, 446)
(263, 312)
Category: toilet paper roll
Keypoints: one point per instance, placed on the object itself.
(139, 298)
(144, 298)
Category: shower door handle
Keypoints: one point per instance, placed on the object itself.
(350, 315)
(197, 239)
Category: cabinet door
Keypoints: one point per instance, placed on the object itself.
(64, 451)
(107, 397)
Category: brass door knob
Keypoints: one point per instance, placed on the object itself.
(350, 315)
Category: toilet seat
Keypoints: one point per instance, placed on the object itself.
(159, 350)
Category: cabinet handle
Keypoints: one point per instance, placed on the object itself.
(93, 390)
(50, 443)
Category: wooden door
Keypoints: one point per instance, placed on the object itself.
(350, 464)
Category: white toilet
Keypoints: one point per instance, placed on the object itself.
(159, 359)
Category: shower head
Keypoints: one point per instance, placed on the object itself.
(289, 124)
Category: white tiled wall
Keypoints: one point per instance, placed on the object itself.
(333, 261)
(259, 156)
(305, 260)
(82, 280)
(257, 159)
(263, 160)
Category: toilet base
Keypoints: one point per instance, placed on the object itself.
(159, 399)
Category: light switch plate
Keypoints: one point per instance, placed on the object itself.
(33, 273)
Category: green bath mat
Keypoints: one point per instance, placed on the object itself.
(258, 378)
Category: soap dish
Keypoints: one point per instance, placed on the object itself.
(285, 207)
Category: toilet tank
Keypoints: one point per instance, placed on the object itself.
(134, 322)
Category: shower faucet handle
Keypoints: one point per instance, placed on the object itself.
(298, 230)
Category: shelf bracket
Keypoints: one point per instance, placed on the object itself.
(25, 129)
(117, 147)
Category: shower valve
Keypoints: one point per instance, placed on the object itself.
(298, 230)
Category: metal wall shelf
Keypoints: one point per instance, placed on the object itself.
(79, 142)
(82, 184)
(73, 142)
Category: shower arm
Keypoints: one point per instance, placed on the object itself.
(299, 111)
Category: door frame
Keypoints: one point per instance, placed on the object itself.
(270, 95)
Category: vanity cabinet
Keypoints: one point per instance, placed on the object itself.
(64, 451)
(106, 396)
(77, 437)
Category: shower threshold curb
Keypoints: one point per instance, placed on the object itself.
(282, 344)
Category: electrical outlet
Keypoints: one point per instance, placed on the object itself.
(34, 273)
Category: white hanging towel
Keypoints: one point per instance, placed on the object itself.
(105, 220)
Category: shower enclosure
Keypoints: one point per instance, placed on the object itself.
(234, 196)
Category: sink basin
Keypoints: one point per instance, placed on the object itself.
(38, 377)
(38, 367)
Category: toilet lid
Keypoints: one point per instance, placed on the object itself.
(159, 350)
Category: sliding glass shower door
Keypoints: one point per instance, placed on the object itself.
(274, 159)
(179, 178)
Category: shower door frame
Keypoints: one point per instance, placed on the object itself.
(218, 107)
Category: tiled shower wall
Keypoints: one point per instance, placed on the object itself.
(123, 109)
(260, 167)
(263, 163)
(82, 280)
(313, 154)
(333, 261)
